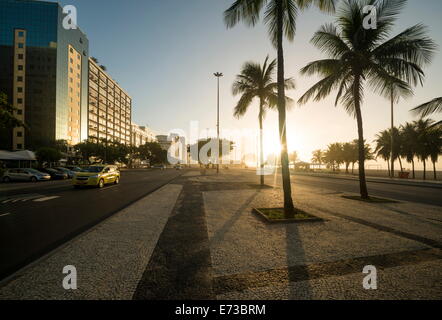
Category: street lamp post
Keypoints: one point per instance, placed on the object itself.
(217, 75)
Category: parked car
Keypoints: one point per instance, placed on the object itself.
(55, 174)
(73, 168)
(159, 166)
(97, 176)
(70, 173)
(31, 175)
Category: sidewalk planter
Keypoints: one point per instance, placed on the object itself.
(275, 216)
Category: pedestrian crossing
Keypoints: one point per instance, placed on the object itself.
(35, 197)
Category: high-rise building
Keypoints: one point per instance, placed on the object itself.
(110, 107)
(44, 72)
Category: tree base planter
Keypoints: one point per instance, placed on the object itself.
(276, 215)
(370, 200)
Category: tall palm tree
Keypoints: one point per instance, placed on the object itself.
(360, 56)
(394, 95)
(409, 144)
(280, 16)
(256, 81)
(426, 109)
(423, 151)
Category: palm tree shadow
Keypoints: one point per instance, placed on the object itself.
(218, 237)
(296, 260)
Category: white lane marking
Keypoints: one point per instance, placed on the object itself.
(4, 214)
(46, 199)
(20, 197)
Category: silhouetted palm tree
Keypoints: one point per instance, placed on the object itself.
(423, 148)
(435, 146)
(280, 16)
(409, 144)
(383, 147)
(360, 56)
(255, 81)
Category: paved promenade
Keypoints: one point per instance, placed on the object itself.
(197, 238)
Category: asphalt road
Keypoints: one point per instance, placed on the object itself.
(36, 218)
(424, 195)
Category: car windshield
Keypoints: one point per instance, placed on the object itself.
(93, 169)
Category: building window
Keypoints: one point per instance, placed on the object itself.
(20, 79)
(71, 50)
(19, 146)
(19, 134)
(19, 112)
(20, 67)
(19, 100)
(21, 34)
(19, 89)
(20, 56)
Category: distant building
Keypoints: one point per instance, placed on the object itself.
(141, 135)
(164, 141)
(43, 71)
(110, 108)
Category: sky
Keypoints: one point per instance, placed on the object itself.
(164, 53)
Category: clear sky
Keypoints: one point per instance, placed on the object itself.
(164, 54)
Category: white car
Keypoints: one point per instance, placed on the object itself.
(30, 175)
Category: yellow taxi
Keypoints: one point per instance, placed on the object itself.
(97, 176)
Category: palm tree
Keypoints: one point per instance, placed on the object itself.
(423, 150)
(360, 56)
(334, 155)
(426, 109)
(409, 144)
(280, 16)
(395, 94)
(255, 81)
(435, 146)
(383, 147)
(348, 151)
(318, 157)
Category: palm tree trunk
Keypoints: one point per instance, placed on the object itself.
(388, 165)
(391, 133)
(412, 165)
(289, 208)
(352, 168)
(425, 170)
(400, 163)
(434, 171)
(261, 143)
(361, 142)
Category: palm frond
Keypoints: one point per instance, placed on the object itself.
(243, 10)
(426, 109)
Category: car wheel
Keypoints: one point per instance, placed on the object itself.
(101, 184)
(6, 179)
(117, 180)
(33, 179)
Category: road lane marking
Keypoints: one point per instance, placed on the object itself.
(4, 214)
(20, 197)
(46, 199)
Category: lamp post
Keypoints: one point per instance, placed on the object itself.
(217, 75)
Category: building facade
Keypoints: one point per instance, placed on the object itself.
(110, 108)
(141, 135)
(43, 71)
